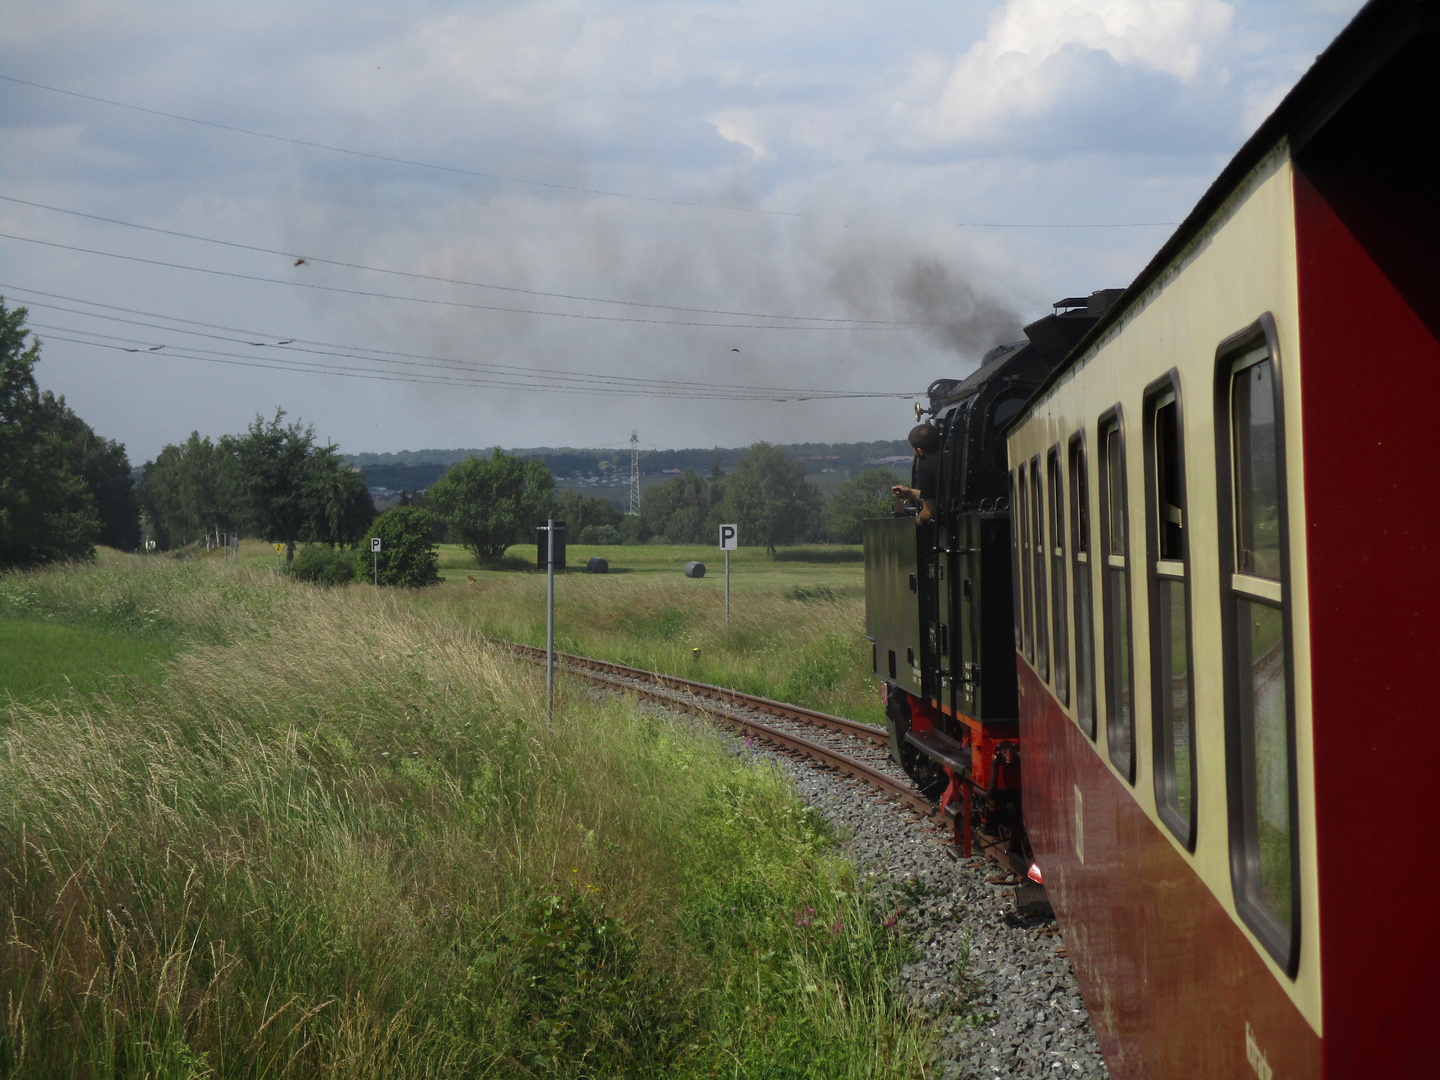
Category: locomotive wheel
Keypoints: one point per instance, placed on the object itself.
(925, 772)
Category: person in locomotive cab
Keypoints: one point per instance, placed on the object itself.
(925, 441)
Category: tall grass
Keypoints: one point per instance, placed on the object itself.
(340, 839)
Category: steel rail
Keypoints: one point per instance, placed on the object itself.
(781, 709)
(682, 694)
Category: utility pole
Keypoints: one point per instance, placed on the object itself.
(634, 472)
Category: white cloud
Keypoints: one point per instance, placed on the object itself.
(739, 128)
(1059, 112)
(1031, 59)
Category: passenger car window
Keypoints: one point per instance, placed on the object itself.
(1259, 675)
(1115, 541)
(1021, 519)
(1017, 600)
(1058, 614)
(1037, 560)
(1172, 709)
(1084, 607)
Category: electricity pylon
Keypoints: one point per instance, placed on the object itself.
(634, 472)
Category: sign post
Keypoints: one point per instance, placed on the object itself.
(729, 541)
(549, 619)
(375, 557)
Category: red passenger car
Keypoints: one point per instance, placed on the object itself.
(1234, 487)
(1221, 514)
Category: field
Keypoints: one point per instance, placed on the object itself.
(266, 829)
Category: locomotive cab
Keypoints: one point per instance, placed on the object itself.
(939, 594)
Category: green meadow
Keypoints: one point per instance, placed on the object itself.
(251, 827)
(796, 628)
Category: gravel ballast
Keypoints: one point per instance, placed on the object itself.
(1022, 1014)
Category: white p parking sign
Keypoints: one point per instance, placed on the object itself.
(729, 541)
(375, 543)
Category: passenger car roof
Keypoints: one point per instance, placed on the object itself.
(1380, 30)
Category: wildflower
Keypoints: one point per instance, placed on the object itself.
(838, 928)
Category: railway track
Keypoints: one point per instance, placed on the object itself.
(738, 711)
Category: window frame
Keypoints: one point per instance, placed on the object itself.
(1282, 943)
(1122, 755)
(1082, 545)
(1163, 391)
(1059, 594)
(1038, 569)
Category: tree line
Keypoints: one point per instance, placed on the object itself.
(487, 503)
(767, 496)
(274, 481)
(64, 489)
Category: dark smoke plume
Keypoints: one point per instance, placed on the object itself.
(956, 313)
(962, 319)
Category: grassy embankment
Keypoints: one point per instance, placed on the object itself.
(336, 838)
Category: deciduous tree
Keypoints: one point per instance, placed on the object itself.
(104, 466)
(770, 499)
(47, 512)
(865, 495)
(191, 489)
(677, 509)
(580, 512)
(491, 503)
(293, 490)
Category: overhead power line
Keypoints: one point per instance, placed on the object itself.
(372, 295)
(454, 281)
(551, 184)
(531, 386)
(406, 367)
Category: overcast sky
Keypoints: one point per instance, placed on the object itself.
(775, 200)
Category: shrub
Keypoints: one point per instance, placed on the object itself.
(408, 555)
(599, 534)
(324, 565)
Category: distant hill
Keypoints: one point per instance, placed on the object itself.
(410, 470)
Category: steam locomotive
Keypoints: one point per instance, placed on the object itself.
(939, 595)
(1181, 579)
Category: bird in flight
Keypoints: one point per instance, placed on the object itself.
(734, 350)
(301, 261)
